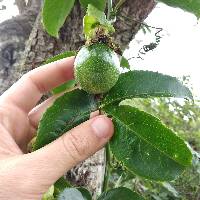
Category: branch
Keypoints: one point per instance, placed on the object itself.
(21, 4)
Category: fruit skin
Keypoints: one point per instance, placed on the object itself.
(96, 68)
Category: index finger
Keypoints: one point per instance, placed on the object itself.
(28, 90)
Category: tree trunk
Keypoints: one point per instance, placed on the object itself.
(41, 46)
(13, 35)
(21, 4)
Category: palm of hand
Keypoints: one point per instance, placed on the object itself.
(18, 123)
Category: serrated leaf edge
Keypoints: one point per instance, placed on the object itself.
(127, 126)
(146, 95)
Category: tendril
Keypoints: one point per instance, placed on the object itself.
(147, 47)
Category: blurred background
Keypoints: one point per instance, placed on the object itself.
(176, 54)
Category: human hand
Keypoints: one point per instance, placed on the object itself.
(27, 176)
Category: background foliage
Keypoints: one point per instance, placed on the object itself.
(183, 117)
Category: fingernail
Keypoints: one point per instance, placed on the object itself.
(101, 127)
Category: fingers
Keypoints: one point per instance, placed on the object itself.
(52, 161)
(28, 90)
(36, 113)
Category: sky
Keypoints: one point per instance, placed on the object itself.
(178, 51)
(11, 10)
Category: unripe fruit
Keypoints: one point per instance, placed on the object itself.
(96, 68)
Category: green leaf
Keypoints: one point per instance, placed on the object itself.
(85, 193)
(95, 18)
(49, 194)
(98, 14)
(65, 86)
(99, 4)
(60, 56)
(54, 14)
(124, 63)
(75, 194)
(68, 111)
(90, 22)
(60, 185)
(192, 6)
(145, 146)
(121, 193)
(144, 84)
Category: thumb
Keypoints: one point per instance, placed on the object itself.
(52, 161)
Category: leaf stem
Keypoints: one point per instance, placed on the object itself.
(110, 3)
(107, 170)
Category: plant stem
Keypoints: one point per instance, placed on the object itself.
(138, 21)
(109, 9)
(119, 3)
(118, 182)
(107, 170)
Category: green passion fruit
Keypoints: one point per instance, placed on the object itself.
(96, 68)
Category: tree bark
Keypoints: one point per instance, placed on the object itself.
(13, 36)
(21, 4)
(41, 46)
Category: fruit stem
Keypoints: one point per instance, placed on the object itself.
(107, 170)
(109, 9)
